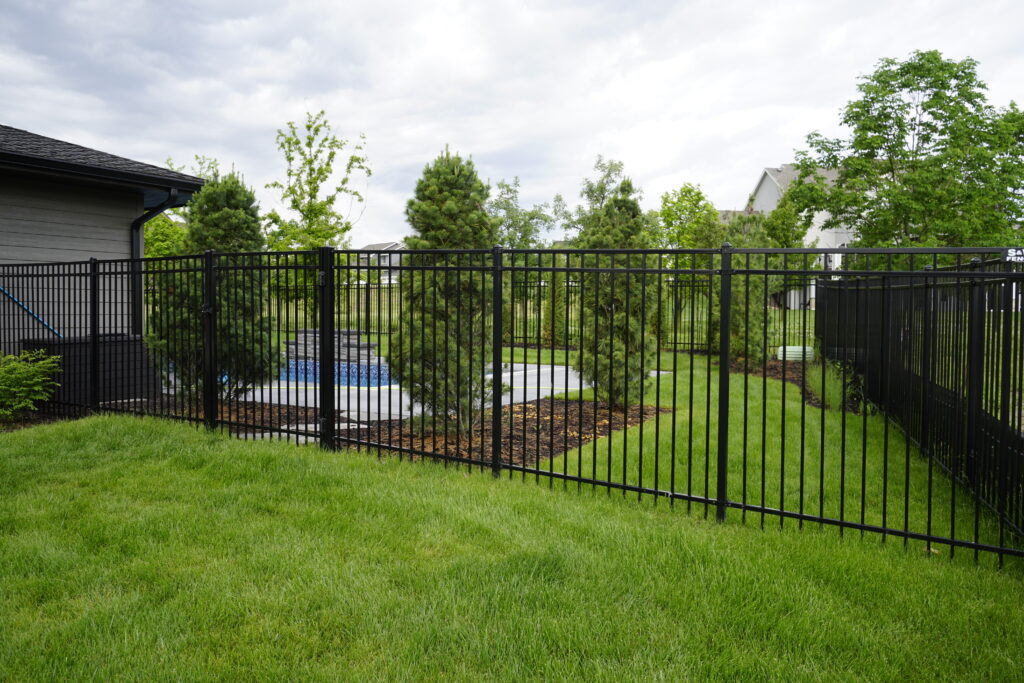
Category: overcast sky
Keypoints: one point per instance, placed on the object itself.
(703, 92)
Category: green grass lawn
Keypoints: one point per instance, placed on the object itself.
(783, 454)
(146, 549)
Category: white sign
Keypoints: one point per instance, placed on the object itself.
(1015, 255)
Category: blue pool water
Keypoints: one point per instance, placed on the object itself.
(345, 374)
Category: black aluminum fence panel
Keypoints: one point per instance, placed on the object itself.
(879, 397)
(941, 356)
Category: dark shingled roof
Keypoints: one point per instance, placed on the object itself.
(24, 149)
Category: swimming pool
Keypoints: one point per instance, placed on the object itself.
(345, 374)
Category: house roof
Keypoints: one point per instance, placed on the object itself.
(23, 150)
(384, 246)
(785, 175)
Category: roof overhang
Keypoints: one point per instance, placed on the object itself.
(154, 188)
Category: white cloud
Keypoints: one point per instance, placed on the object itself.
(706, 92)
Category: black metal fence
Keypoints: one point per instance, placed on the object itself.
(882, 397)
(940, 355)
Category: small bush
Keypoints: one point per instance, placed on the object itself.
(26, 380)
(841, 384)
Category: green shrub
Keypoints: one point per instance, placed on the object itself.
(841, 385)
(25, 380)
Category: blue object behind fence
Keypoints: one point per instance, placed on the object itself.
(345, 374)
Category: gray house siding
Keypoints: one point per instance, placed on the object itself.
(42, 221)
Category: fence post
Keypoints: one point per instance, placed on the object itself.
(927, 335)
(1003, 460)
(497, 297)
(975, 370)
(209, 341)
(725, 312)
(94, 334)
(326, 336)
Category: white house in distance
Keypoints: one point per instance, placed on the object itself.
(385, 260)
(768, 193)
(766, 197)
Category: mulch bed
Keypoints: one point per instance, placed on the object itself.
(241, 417)
(32, 420)
(773, 369)
(531, 432)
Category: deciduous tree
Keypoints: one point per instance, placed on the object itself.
(164, 236)
(309, 191)
(688, 218)
(927, 162)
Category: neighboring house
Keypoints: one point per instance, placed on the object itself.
(64, 203)
(767, 194)
(387, 261)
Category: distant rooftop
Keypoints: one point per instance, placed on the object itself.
(24, 150)
(384, 246)
(784, 175)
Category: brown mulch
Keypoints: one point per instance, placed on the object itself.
(33, 419)
(241, 417)
(531, 432)
(773, 369)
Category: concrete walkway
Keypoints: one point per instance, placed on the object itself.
(527, 381)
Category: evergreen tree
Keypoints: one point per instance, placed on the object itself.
(222, 216)
(617, 352)
(442, 342)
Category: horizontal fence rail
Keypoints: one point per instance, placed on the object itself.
(884, 394)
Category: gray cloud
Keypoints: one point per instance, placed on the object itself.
(706, 92)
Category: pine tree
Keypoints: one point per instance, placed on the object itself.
(223, 216)
(617, 351)
(442, 342)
